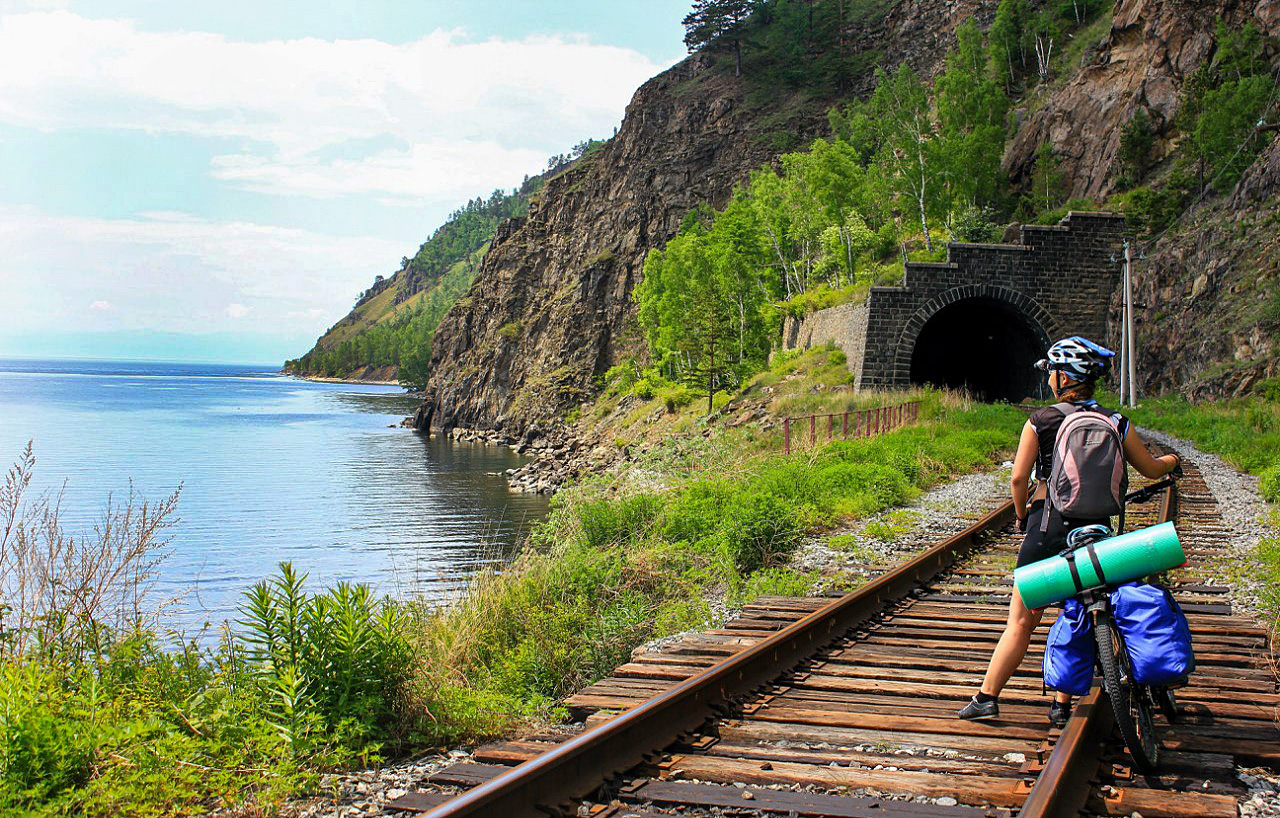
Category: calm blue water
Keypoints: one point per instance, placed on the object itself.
(271, 469)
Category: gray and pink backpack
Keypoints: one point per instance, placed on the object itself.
(1089, 477)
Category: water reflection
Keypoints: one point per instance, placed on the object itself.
(271, 469)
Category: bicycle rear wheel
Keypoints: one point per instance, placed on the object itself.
(1130, 701)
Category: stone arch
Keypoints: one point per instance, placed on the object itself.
(1031, 326)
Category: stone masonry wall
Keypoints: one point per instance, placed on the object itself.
(844, 325)
(1058, 278)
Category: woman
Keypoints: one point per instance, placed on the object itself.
(1074, 365)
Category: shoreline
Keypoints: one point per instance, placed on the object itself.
(320, 379)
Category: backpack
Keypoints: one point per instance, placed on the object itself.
(1155, 633)
(1089, 479)
(1070, 650)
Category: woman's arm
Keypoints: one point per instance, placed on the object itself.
(1028, 448)
(1135, 451)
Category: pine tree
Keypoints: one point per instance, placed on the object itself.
(712, 21)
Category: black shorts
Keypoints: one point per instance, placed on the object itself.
(1040, 545)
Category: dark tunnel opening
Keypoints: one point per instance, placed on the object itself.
(983, 345)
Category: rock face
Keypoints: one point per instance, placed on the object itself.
(1141, 63)
(552, 305)
(551, 308)
(1211, 293)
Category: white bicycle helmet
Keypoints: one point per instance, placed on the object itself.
(1082, 536)
(1077, 356)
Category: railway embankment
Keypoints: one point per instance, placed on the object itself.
(861, 721)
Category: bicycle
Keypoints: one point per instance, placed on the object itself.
(1132, 703)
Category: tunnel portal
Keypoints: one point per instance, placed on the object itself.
(983, 345)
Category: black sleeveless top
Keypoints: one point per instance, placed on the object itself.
(1048, 420)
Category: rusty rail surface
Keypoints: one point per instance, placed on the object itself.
(852, 423)
(548, 782)
(1062, 788)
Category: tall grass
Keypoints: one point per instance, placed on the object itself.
(101, 716)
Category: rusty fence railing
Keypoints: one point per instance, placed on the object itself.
(851, 423)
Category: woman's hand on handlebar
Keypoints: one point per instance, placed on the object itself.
(1176, 469)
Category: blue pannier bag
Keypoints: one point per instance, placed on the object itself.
(1070, 650)
(1155, 633)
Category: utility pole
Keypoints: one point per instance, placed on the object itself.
(1130, 361)
(1124, 325)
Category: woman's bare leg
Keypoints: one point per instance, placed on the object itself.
(1012, 646)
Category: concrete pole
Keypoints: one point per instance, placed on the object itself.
(1129, 351)
(1124, 329)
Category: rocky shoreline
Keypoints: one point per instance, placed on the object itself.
(561, 454)
(320, 379)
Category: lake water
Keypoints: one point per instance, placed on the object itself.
(271, 469)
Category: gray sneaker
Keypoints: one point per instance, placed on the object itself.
(980, 710)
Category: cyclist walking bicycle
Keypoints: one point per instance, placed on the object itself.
(1073, 366)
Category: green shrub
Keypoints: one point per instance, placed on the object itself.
(614, 521)
(1269, 483)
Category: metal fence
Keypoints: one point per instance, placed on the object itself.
(853, 423)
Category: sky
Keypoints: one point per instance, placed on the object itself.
(218, 181)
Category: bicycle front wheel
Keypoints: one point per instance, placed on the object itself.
(1129, 700)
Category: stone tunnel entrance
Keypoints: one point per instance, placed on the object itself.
(984, 345)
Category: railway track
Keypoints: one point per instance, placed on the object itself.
(846, 707)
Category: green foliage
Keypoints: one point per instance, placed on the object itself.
(1223, 100)
(821, 228)
(324, 662)
(1009, 41)
(711, 21)
(136, 726)
(1047, 189)
(1222, 141)
(799, 44)
(971, 110)
(426, 287)
(403, 340)
(1136, 143)
(1269, 483)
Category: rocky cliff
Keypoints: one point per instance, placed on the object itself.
(1140, 62)
(1209, 293)
(1207, 289)
(551, 308)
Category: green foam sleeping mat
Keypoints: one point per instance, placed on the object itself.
(1128, 556)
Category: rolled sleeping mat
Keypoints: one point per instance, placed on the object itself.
(1115, 559)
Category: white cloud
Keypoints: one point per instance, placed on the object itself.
(177, 273)
(452, 116)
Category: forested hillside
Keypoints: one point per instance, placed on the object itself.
(936, 122)
(387, 335)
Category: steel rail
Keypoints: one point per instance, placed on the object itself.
(549, 783)
(1062, 788)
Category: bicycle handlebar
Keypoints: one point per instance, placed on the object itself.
(1145, 493)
